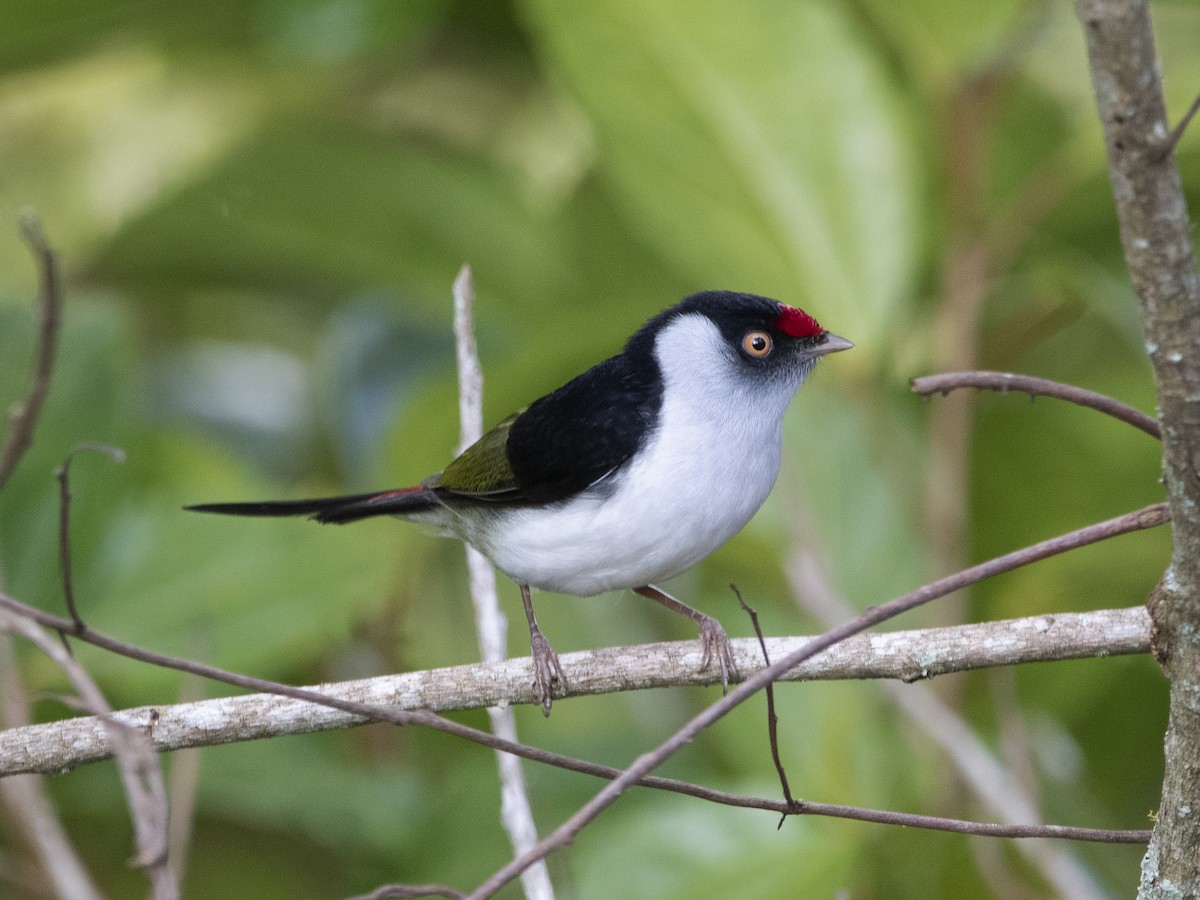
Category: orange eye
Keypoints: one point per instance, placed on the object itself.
(757, 343)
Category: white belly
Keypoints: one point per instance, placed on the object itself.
(684, 496)
(648, 530)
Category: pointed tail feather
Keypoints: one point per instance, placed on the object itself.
(348, 508)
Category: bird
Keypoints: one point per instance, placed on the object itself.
(629, 474)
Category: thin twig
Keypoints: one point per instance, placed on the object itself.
(182, 784)
(27, 797)
(1172, 139)
(62, 473)
(24, 417)
(137, 764)
(491, 628)
(1147, 517)
(772, 717)
(470, 373)
(978, 829)
(28, 803)
(1004, 382)
(410, 890)
(976, 765)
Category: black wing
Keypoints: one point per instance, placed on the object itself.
(586, 429)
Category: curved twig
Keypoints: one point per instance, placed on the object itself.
(1147, 517)
(24, 417)
(62, 473)
(387, 891)
(1004, 382)
(1172, 139)
(137, 763)
(772, 716)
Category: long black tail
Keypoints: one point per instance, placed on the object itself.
(348, 508)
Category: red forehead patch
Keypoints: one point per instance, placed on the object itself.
(796, 322)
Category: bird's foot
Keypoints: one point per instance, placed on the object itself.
(717, 650)
(547, 673)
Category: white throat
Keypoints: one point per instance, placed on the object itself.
(706, 387)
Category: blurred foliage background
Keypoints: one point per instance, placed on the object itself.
(260, 207)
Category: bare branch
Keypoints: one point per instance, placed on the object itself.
(62, 473)
(470, 373)
(1004, 382)
(491, 627)
(1172, 141)
(28, 802)
(902, 655)
(137, 763)
(979, 829)
(772, 716)
(24, 417)
(239, 718)
(409, 890)
(1156, 237)
(999, 795)
(1147, 517)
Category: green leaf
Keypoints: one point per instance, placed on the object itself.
(278, 217)
(943, 41)
(755, 145)
(265, 596)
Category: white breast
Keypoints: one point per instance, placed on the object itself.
(702, 475)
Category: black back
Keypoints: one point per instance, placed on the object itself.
(581, 432)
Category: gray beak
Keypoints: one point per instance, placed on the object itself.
(830, 344)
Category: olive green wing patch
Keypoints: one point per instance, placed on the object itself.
(482, 471)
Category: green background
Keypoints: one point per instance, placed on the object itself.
(260, 207)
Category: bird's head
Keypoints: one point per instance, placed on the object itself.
(721, 339)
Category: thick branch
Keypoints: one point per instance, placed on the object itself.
(1155, 233)
(1156, 236)
(903, 655)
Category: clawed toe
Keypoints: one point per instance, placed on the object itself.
(713, 638)
(717, 649)
(547, 672)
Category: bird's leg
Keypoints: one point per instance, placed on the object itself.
(546, 670)
(713, 638)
